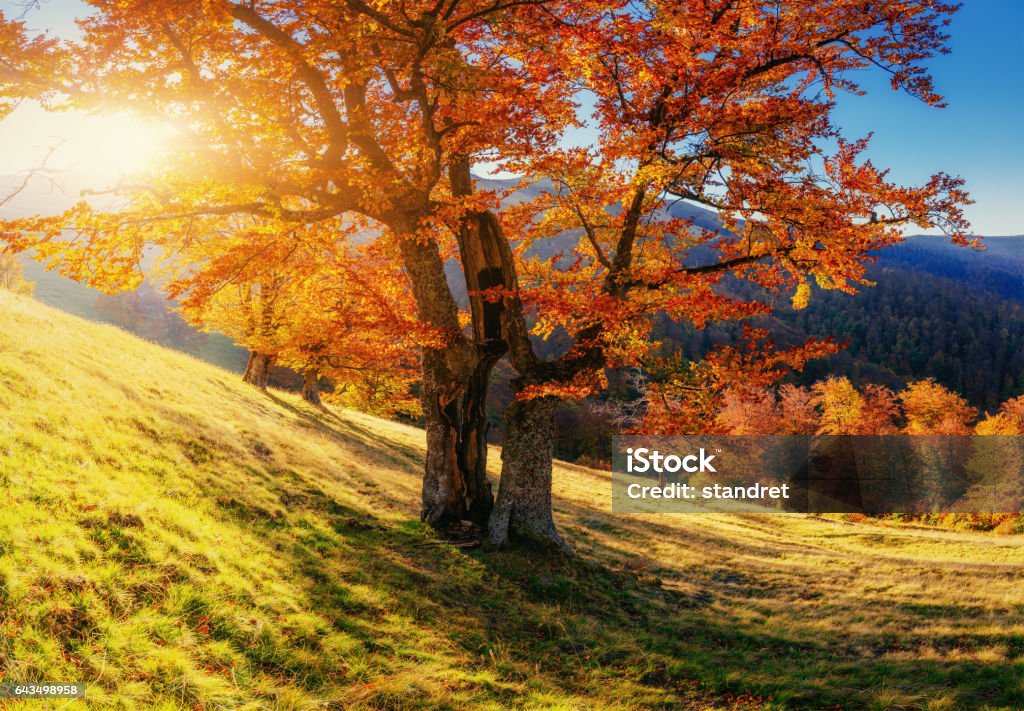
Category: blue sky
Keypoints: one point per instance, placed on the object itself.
(979, 136)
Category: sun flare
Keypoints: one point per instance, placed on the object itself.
(114, 146)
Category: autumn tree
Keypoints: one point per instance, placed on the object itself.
(998, 461)
(939, 476)
(29, 65)
(12, 277)
(797, 411)
(931, 409)
(307, 298)
(1008, 420)
(840, 405)
(239, 276)
(749, 412)
(305, 111)
(734, 390)
(847, 411)
(727, 105)
(355, 328)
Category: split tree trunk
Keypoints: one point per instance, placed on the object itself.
(455, 484)
(257, 370)
(453, 395)
(311, 386)
(523, 508)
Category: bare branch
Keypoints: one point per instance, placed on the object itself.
(41, 170)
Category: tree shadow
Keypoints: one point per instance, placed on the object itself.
(703, 637)
(575, 622)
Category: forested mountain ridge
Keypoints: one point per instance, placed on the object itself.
(935, 311)
(915, 324)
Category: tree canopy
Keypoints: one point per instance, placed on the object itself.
(355, 119)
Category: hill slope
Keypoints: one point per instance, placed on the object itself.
(180, 541)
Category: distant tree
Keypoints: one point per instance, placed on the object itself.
(12, 276)
(997, 464)
(796, 410)
(940, 476)
(1008, 420)
(840, 405)
(932, 409)
(307, 299)
(847, 411)
(881, 412)
(748, 412)
(731, 389)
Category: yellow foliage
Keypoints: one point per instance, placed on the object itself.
(802, 296)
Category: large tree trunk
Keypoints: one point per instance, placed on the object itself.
(455, 484)
(453, 395)
(523, 508)
(311, 386)
(257, 371)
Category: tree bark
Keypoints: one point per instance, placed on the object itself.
(523, 508)
(311, 386)
(453, 395)
(455, 484)
(257, 370)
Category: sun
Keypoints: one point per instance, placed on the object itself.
(113, 146)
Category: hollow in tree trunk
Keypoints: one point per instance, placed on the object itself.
(523, 507)
(499, 326)
(311, 386)
(257, 371)
(455, 484)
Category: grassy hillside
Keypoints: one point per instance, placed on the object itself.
(180, 541)
(144, 311)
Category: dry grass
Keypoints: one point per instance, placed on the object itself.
(179, 541)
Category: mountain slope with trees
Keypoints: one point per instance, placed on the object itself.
(937, 312)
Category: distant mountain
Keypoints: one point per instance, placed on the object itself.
(937, 310)
(999, 268)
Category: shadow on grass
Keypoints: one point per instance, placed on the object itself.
(573, 628)
(584, 630)
(350, 432)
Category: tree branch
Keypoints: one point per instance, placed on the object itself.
(337, 129)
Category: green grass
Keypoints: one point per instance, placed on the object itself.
(178, 540)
